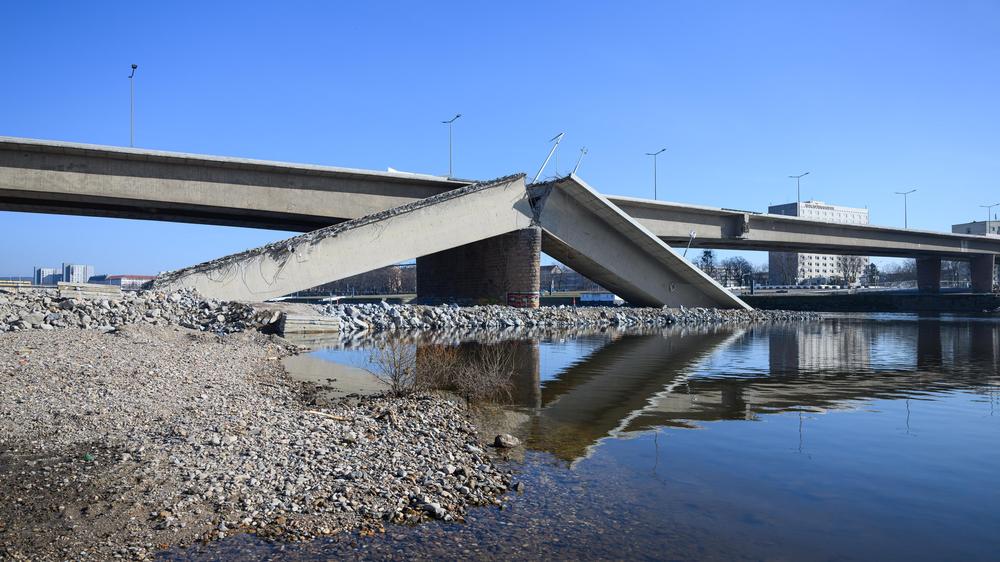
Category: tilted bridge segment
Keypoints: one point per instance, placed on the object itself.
(81, 179)
(579, 225)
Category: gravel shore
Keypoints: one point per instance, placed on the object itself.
(121, 444)
(358, 319)
(135, 424)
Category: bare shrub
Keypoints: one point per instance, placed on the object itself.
(436, 365)
(394, 362)
(476, 372)
(488, 373)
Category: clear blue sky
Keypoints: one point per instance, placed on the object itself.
(870, 97)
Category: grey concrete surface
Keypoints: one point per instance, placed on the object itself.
(430, 225)
(582, 229)
(73, 178)
(81, 179)
(746, 230)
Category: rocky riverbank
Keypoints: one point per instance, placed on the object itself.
(44, 309)
(123, 443)
(374, 318)
(132, 424)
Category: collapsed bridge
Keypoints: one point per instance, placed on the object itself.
(497, 227)
(619, 242)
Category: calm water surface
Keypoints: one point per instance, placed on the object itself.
(851, 438)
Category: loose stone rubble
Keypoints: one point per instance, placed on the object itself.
(120, 444)
(373, 318)
(130, 425)
(43, 309)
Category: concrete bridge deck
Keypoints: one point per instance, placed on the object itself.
(597, 238)
(747, 230)
(82, 179)
(74, 178)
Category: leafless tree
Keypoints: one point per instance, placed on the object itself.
(783, 268)
(850, 268)
(735, 268)
(761, 273)
(394, 362)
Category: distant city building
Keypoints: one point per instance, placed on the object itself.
(76, 273)
(47, 276)
(561, 278)
(986, 228)
(126, 282)
(788, 268)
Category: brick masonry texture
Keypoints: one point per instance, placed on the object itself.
(483, 272)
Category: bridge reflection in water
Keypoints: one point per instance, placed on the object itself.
(685, 378)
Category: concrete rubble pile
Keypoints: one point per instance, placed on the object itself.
(44, 309)
(360, 318)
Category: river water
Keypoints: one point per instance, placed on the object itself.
(848, 438)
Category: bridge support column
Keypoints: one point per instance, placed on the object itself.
(982, 271)
(498, 270)
(929, 275)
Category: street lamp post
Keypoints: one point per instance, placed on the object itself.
(989, 209)
(131, 106)
(583, 152)
(798, 186)
(556, 139)
(654, 155)
(905, 210)
(449, 123)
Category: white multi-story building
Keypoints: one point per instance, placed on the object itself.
(47, 276)
(74, 273)
(787, 268)
(986, 228)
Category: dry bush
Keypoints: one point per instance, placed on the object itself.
(436, 365)
(394, 362)
(476, 372)
(490, 373)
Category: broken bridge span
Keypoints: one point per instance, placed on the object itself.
(572, 222)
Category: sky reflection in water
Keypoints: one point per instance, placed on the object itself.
(849, 438)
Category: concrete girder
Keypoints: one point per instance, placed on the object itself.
(82, 179)
(744, 230)
(585, 231)
(430, 225)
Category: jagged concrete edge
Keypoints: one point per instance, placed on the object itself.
(286, 246)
